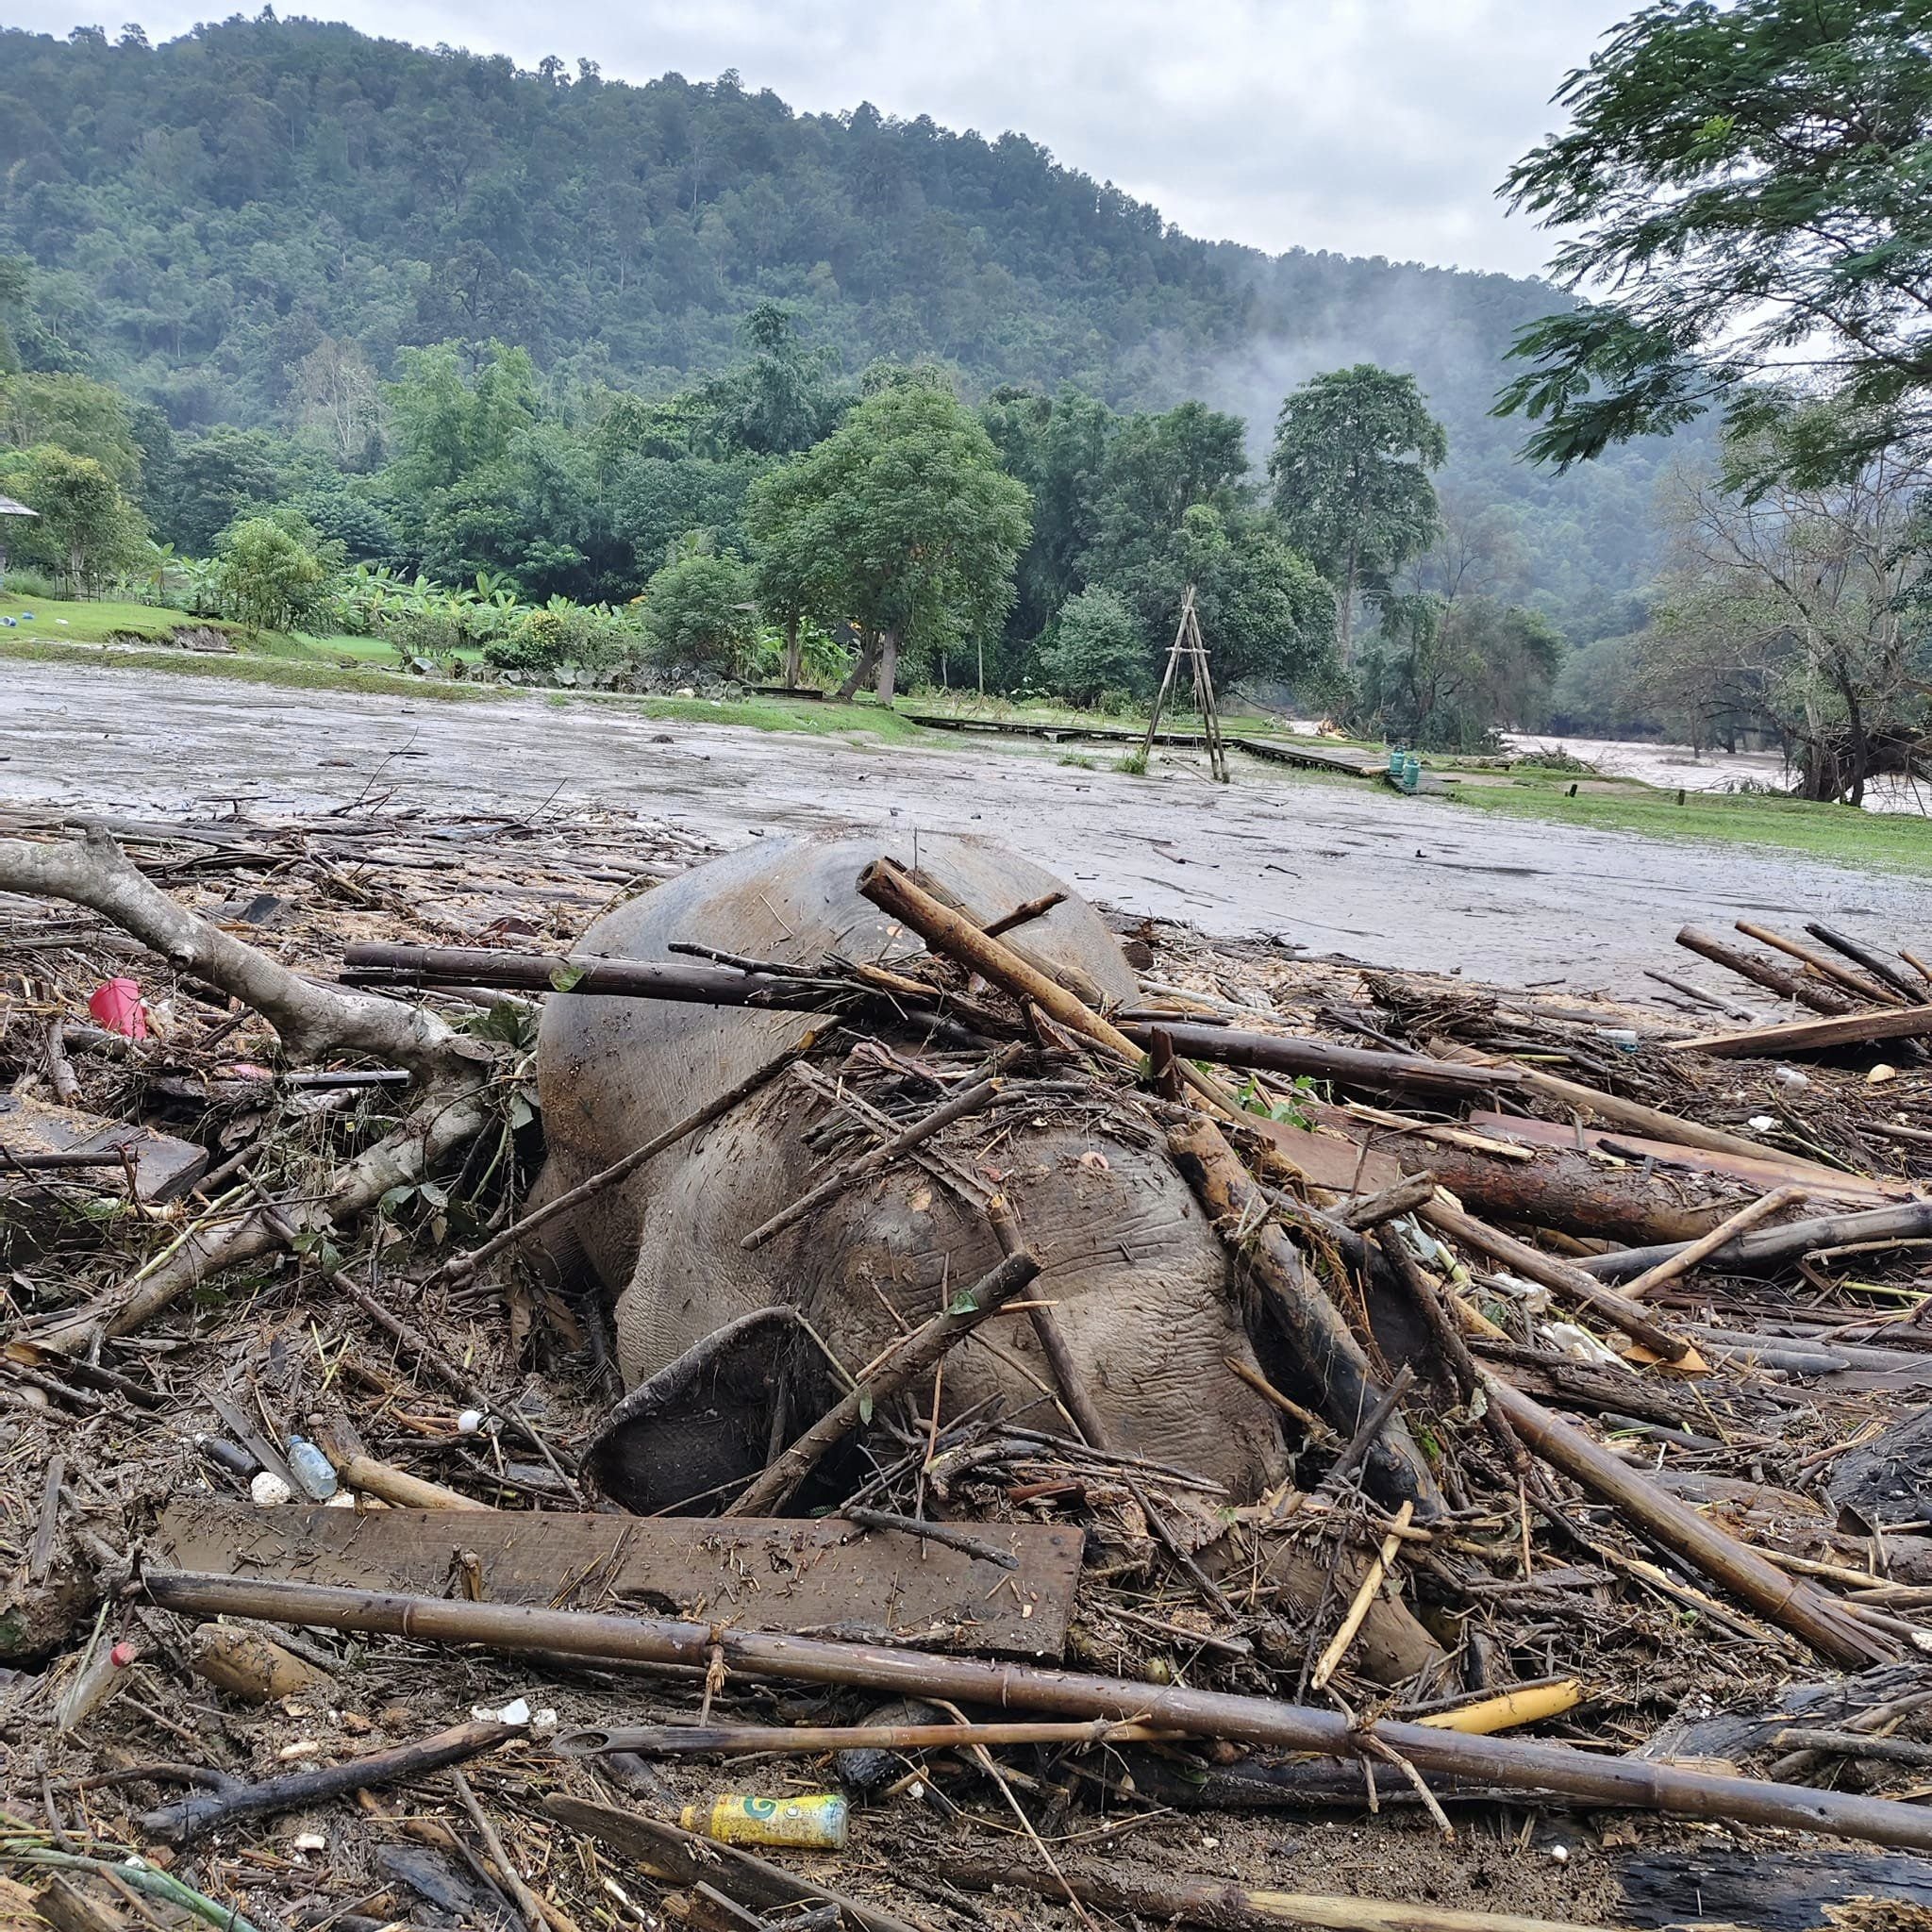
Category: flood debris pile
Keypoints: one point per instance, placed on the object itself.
(340, 1593)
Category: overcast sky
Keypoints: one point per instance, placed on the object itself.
(1369, 127)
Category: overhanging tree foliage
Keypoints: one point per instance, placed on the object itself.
(1749, 186)
(1803, 610)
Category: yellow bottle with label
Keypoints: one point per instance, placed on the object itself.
(815, 1822)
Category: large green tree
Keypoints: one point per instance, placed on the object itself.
(214, 479)
(1750, 185)
(85, 527)
(915, 526)
(1057, 447)
(446, 421)
(83, 416)
(1353, 452)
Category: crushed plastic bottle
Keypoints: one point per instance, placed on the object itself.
(817, 1822)
(311, 1468)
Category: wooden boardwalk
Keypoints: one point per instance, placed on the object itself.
(1312, 755)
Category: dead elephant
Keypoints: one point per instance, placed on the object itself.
(1139, 1278)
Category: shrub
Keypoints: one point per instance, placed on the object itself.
(267, 576)
(539, 641)
(28, 583)
(698, 611)
(589, 639)
(1097, 647)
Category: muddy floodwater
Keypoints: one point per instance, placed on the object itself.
(1338, 865)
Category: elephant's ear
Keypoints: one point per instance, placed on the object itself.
(699, 1423)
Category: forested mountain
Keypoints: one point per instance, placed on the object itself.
(205, 216)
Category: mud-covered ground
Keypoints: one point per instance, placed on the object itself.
(1336, 865)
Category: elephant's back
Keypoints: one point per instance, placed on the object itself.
(614, 1072)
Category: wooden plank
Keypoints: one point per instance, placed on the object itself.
(822, 1577)
(1813, 1035)
(164, 1167)
(1327, 1161)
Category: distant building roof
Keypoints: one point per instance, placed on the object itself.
(10, 508)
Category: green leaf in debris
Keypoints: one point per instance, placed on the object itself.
(520, 1112)
(865, 1408)
(564, 977)
(393, 1201)
(433, 1195)
(962, 1304)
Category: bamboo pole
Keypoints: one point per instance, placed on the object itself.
(1785, 1600)
(1521, 1763)
(1330, 1659)
(1892, 1022)
(1534, 1265)
(732, 1740)
(393, 1485)
(1759, 971)
(1822, 963)
(952, 933)
(1765, 1247)
(1880, 967)
(1233, 1908)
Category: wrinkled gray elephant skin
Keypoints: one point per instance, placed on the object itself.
(1139, 1279)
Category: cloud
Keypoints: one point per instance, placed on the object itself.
(1363, 126)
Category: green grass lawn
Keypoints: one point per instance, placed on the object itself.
(1898, 841)
(61, 622)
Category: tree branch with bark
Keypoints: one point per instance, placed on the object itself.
(451, 1075)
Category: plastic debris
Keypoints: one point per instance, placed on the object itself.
(116, 1005)
(816, 1823)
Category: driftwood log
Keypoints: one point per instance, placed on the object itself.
(1319, 1339)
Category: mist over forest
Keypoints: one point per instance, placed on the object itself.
(202, 217)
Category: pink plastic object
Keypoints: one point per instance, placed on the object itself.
(117, 1007)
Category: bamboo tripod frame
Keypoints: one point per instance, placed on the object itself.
(1189, 643)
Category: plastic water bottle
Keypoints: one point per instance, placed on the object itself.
(311, 1468)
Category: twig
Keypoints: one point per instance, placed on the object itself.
(528, 1904)
(933, 1532)
(1364, 1437)
(187, 1817)
(462, 1267)
(1686, 1258)
(42, 1556)
(975, 1099)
